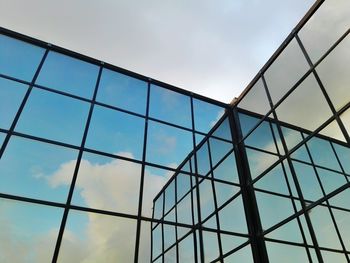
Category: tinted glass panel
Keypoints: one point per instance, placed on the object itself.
(206, 115)
(37, 170)
(68, 74)
(116, 132)
(11, 94)
(25, 234)
(107, 184)
(122, 91)
(170, 106)
(167, 145)
(19, 59)
(54, 116)
(91, 237)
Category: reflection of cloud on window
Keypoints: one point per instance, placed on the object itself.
(219, 115)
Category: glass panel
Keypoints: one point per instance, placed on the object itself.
(206, 198)
(285, 253)
(285, 71)
(250, 101)
(322, 153)
(206, 115)
(210, 246)
(308, 181)
(293, 109)
(11, 94)
(334, 72)
(163, 103)
(2, 138)
(183, 182)
(167, 145)
(184, 210)
(107, 184)
(343, 222)
(223, 131)
(68, 74)
(259, 161)
(232, 217)
(170, 256)
(227, 170)
(19, 59)
(186, 249)
(332, 131)
(145, 242)
(230, 242)
(273, 209)
(342, 199)
(122, 91)
(224, 192)
(325, 27)
(169, 235)
(262, 138)
(324, 228)
(330, 180)
(343, 154)
(116, 132)
(287, 232)
(247, 123)
(25, 234)
(90, 237)
(242, 255)
(37, 170)
(154, 181)
(331, 257)
(345, 118)
(54, 116)
(218, 149)
(169, 200)
(274, 181)
(157, 241)
(291, 137)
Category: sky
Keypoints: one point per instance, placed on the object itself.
(202, 46)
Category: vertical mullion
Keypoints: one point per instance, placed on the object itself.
(76, 169)
(193, 218)
(291, 195)
(294, 176)
(201, 245)
(24, 101)
(176, 234)
(248, 196)
(338, 160)
(139, 214)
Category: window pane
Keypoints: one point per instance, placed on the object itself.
(290, 231)
(293, 110)
(206, 198)
(145, 242)
(325, 27)
(273, 209)
(242, 255)
(25, 234)
(259, 161)
(37, 170)
(218, 149)
(324, 228)
(211, 246)
(203, 163)
(223, 131)
(343, 222)
(286, 70)
(11, 94)
(186, 250)
(273, 181)
(2, 138)
(68, 74)
(170, 106)
(19, 59)
(108, 184)
(122, 91)
(167, 145)
(256, 99)
(334, 74)
(54, 116)
(343, 154)
(90, 237)
(227, 170)
(205, 115)
(285, 253)
(116, 132)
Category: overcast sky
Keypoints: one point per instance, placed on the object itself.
(213, 48)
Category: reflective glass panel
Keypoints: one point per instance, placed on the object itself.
(25, 234)
(11, 94)
(285, 253)
(116, 132)
(90, 237)
(122, 91)
(68, 74)
(19, 59)
(285, 71)
(206, 115)
(167, 145)
(334, 73)
(170, 106)
(107, 184)
(54, 116)
(325, 27)
(37, 170)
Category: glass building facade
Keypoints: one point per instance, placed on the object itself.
(99, 164)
